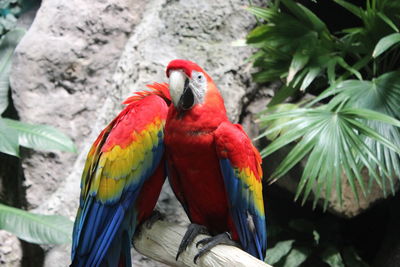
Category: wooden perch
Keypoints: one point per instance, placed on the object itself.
(161, 242)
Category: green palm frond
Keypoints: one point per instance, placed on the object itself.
(355, 129)
(295, 46)
(382, 95)
(333, 138)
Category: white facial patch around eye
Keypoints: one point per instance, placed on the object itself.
(198, 84)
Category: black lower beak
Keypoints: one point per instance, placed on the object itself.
(187, 99)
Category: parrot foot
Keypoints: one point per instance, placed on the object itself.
(210, 242)
(191, 233)
(155, 216)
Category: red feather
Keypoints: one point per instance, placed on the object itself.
(160, 89)
(224, 198)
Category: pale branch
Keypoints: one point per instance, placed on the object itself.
(161, 242)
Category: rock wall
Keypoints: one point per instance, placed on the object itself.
(61, 73)
(80, 59)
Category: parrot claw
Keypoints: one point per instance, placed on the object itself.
(210, 242)
(155, 216)
(191, 233)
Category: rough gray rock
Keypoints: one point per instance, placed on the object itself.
(63, 75)
(61, 72)
(10, 250)
(349, 207)
(201, 31)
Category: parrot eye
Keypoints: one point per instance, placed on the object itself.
(200, 77)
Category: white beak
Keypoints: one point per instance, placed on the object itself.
(176, 85)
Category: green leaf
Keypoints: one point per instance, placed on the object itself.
(333, 258)
(283, 93)
(264, 13)
(35, 228)
(385, 43)
(295, 155)
(316, 237)
(300, 59)
(7, 47)
(280, 250)
(363, 129)
(331, 91)
(276, 127)
(377, 103)
(372, 115)
(335, 142)
(8, 140)
(388, 21)
(311, 75)
(352, 259)
(296, 257)
(281, 142)
(266, 76)
(258, 34)
(357, 11)
(346, 66)
(41, 137)
(5, 3)
(305, 15)
(318, 24)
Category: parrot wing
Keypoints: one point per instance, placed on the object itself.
(241, 169)
(122, 163)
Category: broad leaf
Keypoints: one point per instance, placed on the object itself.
(385, 43)
(296, 257)
(311, 75)
(388, 21)
(275, 127)
(358, 129)
(283, 93)
(263, 13)
(5, 3)
(287, 42)
(333, 258)
(280, 250)
(8, 140)
(35, 228)
(7, 46)
(40, 137)
(357, 11)
(300, 59)
(257, 35)
(305, 15)
(381, 95)
(352, 259)
(335, 144)
(346, 66)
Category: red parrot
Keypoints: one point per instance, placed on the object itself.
(121, 181)
(213, 168)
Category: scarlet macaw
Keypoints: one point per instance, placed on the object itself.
(213, 168)
(121, 181)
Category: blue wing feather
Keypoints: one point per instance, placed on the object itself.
(254, 241)
(94, 247)
(240, 165)
(105, 223)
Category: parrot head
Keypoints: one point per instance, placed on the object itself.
(189, 84)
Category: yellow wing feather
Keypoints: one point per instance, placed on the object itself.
(118, 166)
